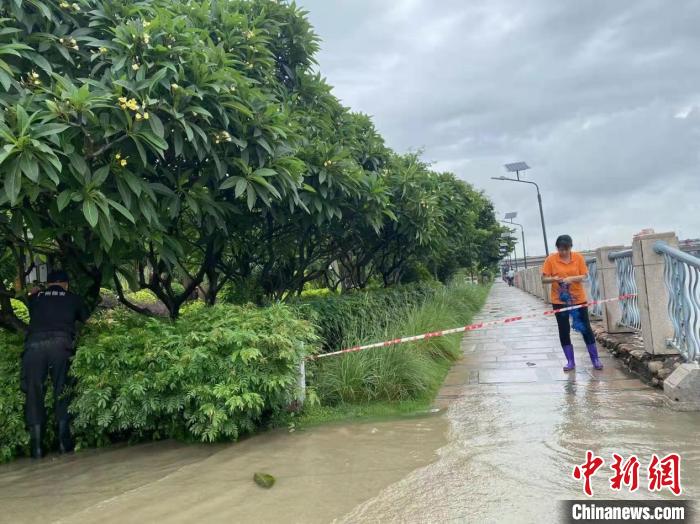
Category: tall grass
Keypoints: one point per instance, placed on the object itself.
(404, 372)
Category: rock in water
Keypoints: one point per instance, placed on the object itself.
(264, 480)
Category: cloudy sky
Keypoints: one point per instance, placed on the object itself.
(600, 97)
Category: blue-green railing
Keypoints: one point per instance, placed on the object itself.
(682, 275)
(627, 286)
(593, 285)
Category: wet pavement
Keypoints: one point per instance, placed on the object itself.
(515, 425)
(519, 424)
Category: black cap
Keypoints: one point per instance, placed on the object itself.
(564, 241)
(57, 275)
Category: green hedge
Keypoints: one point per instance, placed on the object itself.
(403, 372)
(214, 374)
(340, 317)
(13, 435)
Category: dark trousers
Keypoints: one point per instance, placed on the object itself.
(49, 354)
(565, 326)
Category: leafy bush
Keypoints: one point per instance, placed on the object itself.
(142, 297)
(213, 375)
(407, 371)
(359, 314)
(12, 432)
(20, 310)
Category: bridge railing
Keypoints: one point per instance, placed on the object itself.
(627, 285)
(682, 277)
(593, 286)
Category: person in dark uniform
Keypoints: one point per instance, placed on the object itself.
(48, 348)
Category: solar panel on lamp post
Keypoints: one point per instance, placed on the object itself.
(517, 167)
(508, 219)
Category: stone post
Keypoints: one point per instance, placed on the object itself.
(652, 295)
(607, 271)
(301, 393)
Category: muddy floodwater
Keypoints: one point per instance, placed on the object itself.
(511, 428)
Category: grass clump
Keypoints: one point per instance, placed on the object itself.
(405, 372)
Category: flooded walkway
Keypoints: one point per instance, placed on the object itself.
(515, 426)
(519, 424)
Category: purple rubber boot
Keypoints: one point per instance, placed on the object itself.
(593, 352)
(569, 354)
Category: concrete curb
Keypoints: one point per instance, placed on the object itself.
(629, 347)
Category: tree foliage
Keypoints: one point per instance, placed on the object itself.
(191, 146)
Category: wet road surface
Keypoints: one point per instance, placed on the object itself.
(519, 424)
(515, 426)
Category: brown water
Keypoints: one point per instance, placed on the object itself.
(320, 474)
(518, 429)
(515, 427)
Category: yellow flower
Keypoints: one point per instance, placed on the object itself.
(118, 156)
(122, 99)
(146, 39)
(138, 116)
(61, 40)
(35, 74)
(76, 7)
(135, 66)
(103, 50)
(64, 5)
(174, 86)
(145, 116)
(146, 23)
(123, 163)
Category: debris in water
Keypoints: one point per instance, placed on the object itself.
(435, 410)
(374, 430)
(531, 364)
(264, 480)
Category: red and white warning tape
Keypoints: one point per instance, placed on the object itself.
(471, 327)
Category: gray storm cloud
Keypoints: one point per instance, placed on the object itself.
(598, 97)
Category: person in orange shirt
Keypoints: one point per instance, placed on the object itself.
(566, 270)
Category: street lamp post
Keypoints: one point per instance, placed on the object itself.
(516, 168)
(509, 220)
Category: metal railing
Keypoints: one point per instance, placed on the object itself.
(682, 275)
(627, 286)
(593, 285)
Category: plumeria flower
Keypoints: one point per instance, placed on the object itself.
(135, 66)
(123, 163)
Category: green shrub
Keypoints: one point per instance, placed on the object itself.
(13, 435)
(359, 314)
(403, 372)
(214, 374)
(142, 297)
(316, 293)
(20, 310)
